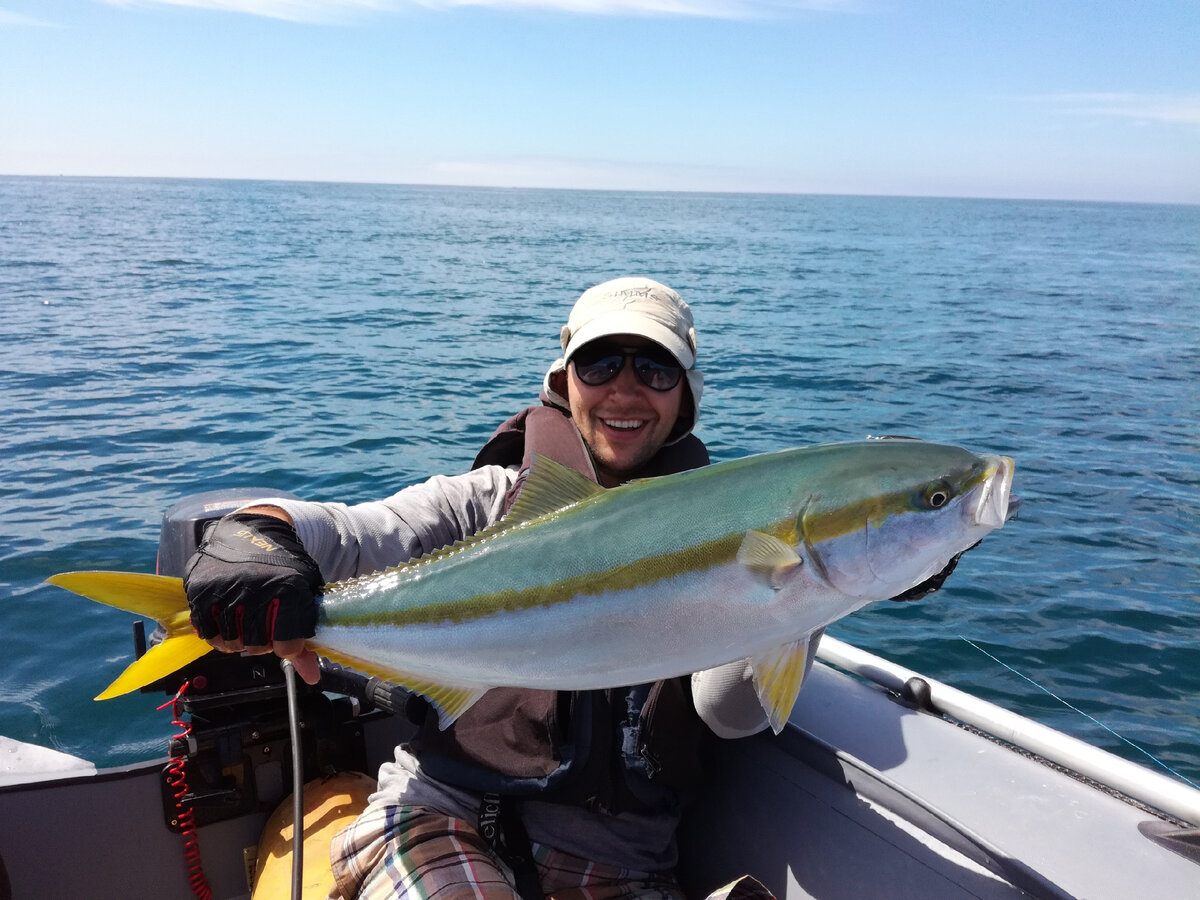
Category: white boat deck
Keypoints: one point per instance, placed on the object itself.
(912, 806)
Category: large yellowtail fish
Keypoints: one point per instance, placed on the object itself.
(579, 587)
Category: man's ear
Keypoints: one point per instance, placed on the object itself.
(560, 384)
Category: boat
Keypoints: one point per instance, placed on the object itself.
(884, 784)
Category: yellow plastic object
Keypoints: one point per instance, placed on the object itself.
(330, 804)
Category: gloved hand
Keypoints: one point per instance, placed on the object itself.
(929, 585)
(251, 583)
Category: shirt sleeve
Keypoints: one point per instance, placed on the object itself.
(348, 541)
(726, 700)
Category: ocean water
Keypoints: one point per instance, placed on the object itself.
(164, 337)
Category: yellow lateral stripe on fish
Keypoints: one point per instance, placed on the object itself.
(642, 572)
(875, 509)
(583, 588)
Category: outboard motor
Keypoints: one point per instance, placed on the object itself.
(183, 524)
(237, 751)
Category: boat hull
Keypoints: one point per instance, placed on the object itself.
(860, 796)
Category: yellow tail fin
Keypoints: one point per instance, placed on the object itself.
(155, 596)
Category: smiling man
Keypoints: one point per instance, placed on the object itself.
(625, 396)
(628, 376)
(529, 793)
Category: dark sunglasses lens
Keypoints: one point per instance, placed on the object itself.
(597, 370)
(601, 363)
(656, 374)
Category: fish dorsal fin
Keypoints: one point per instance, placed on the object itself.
(768, 558)
(549, 487)
(778, 676)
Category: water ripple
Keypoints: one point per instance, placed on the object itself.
(340, 341)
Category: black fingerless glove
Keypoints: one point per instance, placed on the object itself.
(929, 585)
(251, 579)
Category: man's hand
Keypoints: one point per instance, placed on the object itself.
(929, 585)
(251, 586)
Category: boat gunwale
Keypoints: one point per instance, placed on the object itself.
(1159, 794)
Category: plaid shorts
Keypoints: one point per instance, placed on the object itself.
(413, 853)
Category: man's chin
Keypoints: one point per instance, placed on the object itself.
(623, 465)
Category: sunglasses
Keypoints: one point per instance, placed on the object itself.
(599, 363)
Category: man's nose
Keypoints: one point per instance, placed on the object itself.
(626, 381)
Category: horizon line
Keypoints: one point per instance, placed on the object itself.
(613, 190)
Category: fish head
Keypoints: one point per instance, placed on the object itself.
(895, 513)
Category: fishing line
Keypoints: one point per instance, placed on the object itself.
(1082, 713)
(289, 673)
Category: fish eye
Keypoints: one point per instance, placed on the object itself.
(936, 495)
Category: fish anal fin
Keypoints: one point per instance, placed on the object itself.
(768, 558)
(778, 676)
(549, 487)
(450, 701)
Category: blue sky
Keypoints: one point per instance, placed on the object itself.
(1088, 100)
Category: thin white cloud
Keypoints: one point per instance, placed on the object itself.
(598, 174)
(1178, 109)
(289, 10)
(714, 9)
(335, 10)
(20, 20)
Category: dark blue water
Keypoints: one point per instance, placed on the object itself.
(166, 337)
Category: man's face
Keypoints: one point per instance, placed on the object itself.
(623, 421)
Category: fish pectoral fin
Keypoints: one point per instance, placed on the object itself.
(158, 597)
(450, 701)
(768, 558)
(778, 676)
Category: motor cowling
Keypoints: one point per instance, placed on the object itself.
(183, 524)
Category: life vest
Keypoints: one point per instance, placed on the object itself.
(629, 748)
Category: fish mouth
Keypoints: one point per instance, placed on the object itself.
(996, 503)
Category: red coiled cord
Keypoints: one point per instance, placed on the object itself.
(176, 778)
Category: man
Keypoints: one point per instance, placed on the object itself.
(566, 794)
